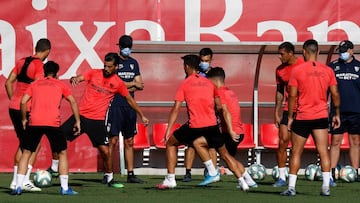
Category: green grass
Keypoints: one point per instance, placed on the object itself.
(91, 190)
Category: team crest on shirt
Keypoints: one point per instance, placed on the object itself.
(132, 66)
(121, 65)
(337, 68)
(357, 68)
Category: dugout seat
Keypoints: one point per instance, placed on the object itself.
(158, 133)
(141, 142)
(269, 136)
(248, 141)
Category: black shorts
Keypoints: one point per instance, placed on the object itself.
(187, 135)
(230, 144)
(285, 118)
(95, 129)
(16, 119)
(33, 135)
(121, 118)
(350, 122)
(305, 127)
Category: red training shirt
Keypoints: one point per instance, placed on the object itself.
(229, 98)
(35, 71)
(98, 93)
(46, 95)
(198, 92)
(312, 79)
(283, 76)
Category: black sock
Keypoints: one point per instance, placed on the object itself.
(188, 170)
(333, 173)
(131, 173)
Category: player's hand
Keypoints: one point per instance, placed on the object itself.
(277, 120)
(24, 122)
(290, 122)
(234, 136)
(145, 120)
(77, 129)
(336, 122)
(74, 81)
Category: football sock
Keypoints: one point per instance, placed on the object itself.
(64, 181)
(28, 172)
(248, 178)
(333, 173)
(55, 165)
(292, 181)
(131, 173)
(282, 173)
(15, 172)
(19, 180)
(109, 176)
(326, 179)
(171, 177)
(210, 167)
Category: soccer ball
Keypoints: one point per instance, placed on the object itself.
(257, 171)
(310, 171)
(318, 174)
(42, 178)
(275, 172)
(348, 174)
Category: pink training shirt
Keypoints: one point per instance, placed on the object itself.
(198, 92)
(312, 79)
(35, 71)
(229, 98)
(46, 95)
(98, 93)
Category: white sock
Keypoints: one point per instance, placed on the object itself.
(210, 167)
(248, 178)
(292, 181)
(282, 173)
(19, 180)
(326, 179)
(242, 181)
(109, 176)
(64, 181)
(55, 165)
(27, 175)
(170, 177)
(15, 173)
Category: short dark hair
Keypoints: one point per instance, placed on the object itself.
(51, 68)
(311, 46)
(112, 56)
(288, 46)
(42, 45)
(125, 41)
(192, 60)
(216, 72)
(206, 51)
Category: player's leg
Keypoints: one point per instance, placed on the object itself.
(336, 140)
(354, 140)
(299, 135)
(171, 160)
(189, 159)
(322, 142)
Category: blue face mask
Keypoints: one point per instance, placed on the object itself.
(345, 56)
(125, 52)
(204, 66)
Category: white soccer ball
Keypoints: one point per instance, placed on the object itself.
(42, 178)
(348, 174)
(257, 171)
(275, 172)
(310, 171)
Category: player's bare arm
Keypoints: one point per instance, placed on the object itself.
(291, 103)
(172, 118)
(75, 110)
(75, 80)
(23, 109)
(335, 97)
(136, 107)
(279, 99)
(9, 84)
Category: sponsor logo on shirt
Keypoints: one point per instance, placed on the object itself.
(347, 76)
(356, 68)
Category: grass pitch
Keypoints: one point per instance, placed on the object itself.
(91, 190)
